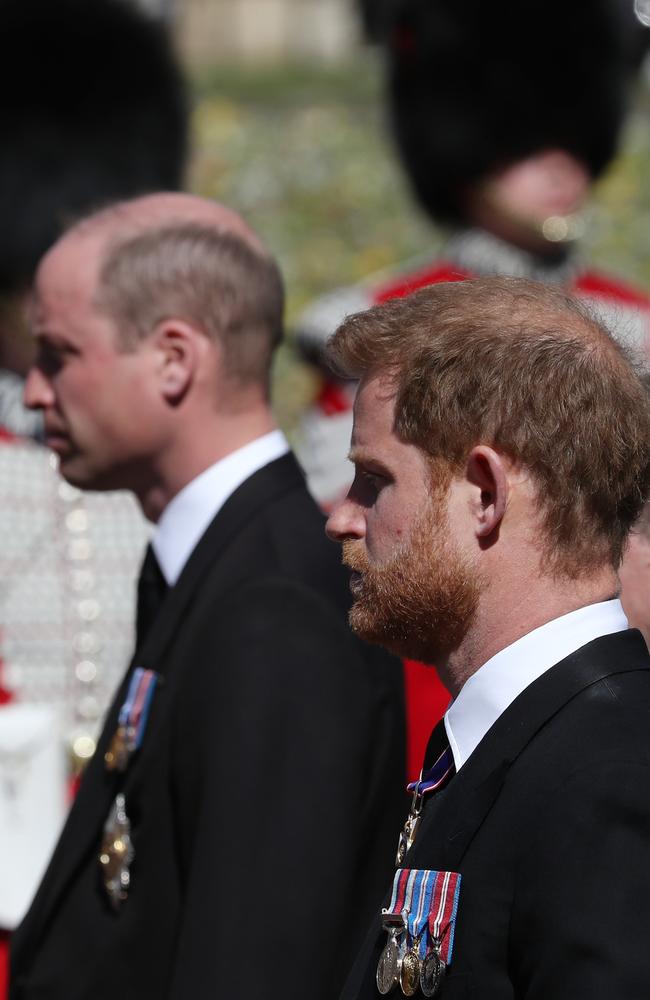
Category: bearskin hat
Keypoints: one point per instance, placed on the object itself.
(92, 109)
(474, 86)
(375, 17)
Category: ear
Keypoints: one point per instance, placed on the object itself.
(177, 350)
(487, 473)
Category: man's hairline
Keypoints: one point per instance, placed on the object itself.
(116, 239)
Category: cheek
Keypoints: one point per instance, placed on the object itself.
(387, 527)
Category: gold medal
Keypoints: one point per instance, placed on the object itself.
(117, 756)
(409, 973)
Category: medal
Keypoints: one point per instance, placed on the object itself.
(388, 967)
(420, 921)
(408, 834)
(117, 756)
(429, 781)
(391, 968)
(132, 720)
(432, 972)
(116, 853)
(409, 973)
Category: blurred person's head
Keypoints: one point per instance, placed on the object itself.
(155, 324)
(502, 451)
(505, 113)
(92, 109)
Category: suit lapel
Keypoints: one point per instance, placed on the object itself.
(454, 815)
(262, 488)
(474, 790)
(98, 789)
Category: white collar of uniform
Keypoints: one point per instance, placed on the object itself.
(495, 685)
(186, 517)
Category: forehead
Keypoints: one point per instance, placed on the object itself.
(66, 280)
(373, 434)
(374, 410)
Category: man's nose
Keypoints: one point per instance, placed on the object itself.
(38, 393)
(345, 521)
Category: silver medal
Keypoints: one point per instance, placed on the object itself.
(388, 967)
(432, 973)
(116, 853)
(409, 833)
(390, 960)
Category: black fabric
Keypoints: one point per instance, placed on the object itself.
(152, 589)
(548, 822)
(77, 132)
(438, 743)
(474, 86)
(268, 794)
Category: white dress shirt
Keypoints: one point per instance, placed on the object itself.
(186, 517)
(495, 685)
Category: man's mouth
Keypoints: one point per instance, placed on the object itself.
(57, 440)
(356, 582)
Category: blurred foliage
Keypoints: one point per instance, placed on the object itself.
(303, 153)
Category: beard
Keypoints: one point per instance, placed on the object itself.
(421, 602)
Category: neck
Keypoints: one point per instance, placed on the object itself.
(197, 448)
(502, 618)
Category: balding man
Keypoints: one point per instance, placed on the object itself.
(502, 451)
(230, 835)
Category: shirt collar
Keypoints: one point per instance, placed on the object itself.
(186, 517)
(495, 685)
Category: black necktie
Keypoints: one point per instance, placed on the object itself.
(152, 588)
(438, 743)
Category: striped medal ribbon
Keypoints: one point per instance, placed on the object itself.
(132, 720)
(420, 921)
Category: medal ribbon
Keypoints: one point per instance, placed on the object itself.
(430, 899)
(135, 710)
(418, 915)
(435, 776)
(442, 913)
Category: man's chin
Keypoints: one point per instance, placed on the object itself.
(397, 640)
(76, 472)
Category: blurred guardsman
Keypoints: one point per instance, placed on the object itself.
(503, 115)
(93, 108)
(233, 831)
(501, 448)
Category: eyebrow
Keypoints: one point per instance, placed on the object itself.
(361, 456)
(50, 341)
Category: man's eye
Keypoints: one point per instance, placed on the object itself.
(374, 480)
(50, 359)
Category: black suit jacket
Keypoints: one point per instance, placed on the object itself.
(548, 822)
(258, 800)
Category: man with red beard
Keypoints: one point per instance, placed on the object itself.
(501, 448)
(501, 131)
